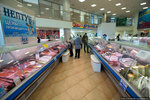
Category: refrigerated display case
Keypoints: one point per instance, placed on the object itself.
(22, 68)
(128, 66)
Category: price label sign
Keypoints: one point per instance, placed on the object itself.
(123, 85)
(142, 54)
(17, 80)
(2, 91)
(55, 58)
(37, 56)
(45, 45)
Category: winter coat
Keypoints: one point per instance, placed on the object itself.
(77, 43)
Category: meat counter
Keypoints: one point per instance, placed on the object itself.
(23, 67)
(127, 65)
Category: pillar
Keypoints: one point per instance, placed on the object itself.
(105, 18)
(66, 16)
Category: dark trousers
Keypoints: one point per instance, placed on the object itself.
(81, 45)
(85, 46)
(77, 53)
(71, 52)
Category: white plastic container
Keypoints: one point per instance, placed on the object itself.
(65, 57)
(96, 65)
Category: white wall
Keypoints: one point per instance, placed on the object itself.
(52, 23)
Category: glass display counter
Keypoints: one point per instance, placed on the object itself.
(128, 64)
(20, 66)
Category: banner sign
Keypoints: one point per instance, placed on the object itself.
(48, 34)
(77, 25)
(16, 23)
(144, 19)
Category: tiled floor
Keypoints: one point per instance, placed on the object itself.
(75, 80)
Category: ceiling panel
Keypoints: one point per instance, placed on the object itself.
(132, 5)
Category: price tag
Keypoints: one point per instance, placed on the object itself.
(123, 85)
(17, 80)
(143, 54)
(2, 91)
(37, 56)
(55, 58)
(45, 45)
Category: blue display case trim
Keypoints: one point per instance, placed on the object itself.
(20, 89)
(129, 90)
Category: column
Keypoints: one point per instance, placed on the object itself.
(66, 16)
(105, 18)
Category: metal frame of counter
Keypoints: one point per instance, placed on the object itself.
(30, 80)
(126, 86)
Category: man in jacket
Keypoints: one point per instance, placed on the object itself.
(85, 41)
(77, 43)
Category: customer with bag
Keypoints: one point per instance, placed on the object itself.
(77, 43)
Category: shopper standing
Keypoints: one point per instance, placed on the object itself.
(70, 47)
(85, 41)
(81, 41)
(118, 37)
(38, 38)
(77, 43)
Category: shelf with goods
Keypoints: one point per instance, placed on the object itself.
(128, 64)
(21, 68)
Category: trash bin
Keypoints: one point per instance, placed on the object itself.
(96, 65)
(65, 56)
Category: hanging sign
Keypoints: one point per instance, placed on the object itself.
(77, 25)
(16, 23)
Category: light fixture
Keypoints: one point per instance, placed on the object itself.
(93, 5)
(109, 0)
(81, 0)
(144, 3)
(1, 60)
(128, 11)
(123, 8)
(19, 5)
(46, 8)
(42, 12)
(10, 61)
(27, 53)
(145, 7)
(102, 9)
(114, 14)
(108, 11)
(29, 5)
(118, 4)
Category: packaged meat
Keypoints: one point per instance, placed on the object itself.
(127, 62)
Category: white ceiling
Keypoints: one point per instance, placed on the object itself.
(132, 5)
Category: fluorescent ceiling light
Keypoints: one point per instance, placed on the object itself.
(1, 60)
(29, 5)
(144, 3)
(93, 5)
(19, 5)
(145, 7)
(128, 11)
(46, 8)
(102, 9)
(81, 0)
(109, 0)
(10, 61)
(114, 14)
(27, 53)
(108, 11)
(123, 8)
(118, 4)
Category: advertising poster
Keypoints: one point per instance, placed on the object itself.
(48, 34)
(144, 19)
(16, 23)
(77, 25)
